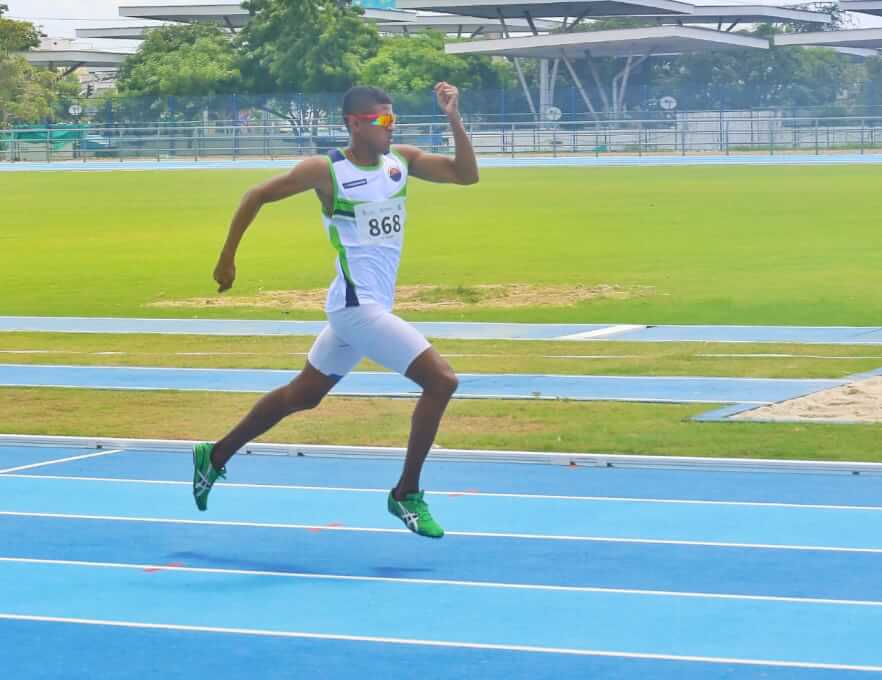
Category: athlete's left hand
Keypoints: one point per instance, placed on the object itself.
(448, 98)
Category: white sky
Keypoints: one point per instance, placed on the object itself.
(60, 18)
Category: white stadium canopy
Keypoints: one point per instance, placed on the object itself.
(572, 9)
(72, 59)
(862, 6)
(746, 14)
(231, 15)
(463, 25)
(657, 40)
(117, 32)
(861, 38)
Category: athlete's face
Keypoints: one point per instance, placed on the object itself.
(367, 132)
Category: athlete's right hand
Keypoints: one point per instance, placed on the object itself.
(225, 274)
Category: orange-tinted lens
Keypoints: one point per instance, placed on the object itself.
(386, 120)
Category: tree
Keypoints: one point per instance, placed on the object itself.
(193, 60)
(17, 36)
(415, 64)
(29, 94)
(780, 76)
(872, 92)
(304, 45)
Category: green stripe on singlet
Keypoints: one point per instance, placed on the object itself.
(341, 252)
(346, 207)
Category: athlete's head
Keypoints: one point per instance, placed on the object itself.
(367, 112)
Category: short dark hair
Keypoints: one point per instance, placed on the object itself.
(361, 99)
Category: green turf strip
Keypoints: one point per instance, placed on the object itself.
(664, 429)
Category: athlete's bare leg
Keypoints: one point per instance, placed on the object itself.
(305, 392)
(431, 372)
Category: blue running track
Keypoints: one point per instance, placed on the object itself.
(296, 570)
(472, 385)
(852, 335)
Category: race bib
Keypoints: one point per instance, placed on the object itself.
(380, 221)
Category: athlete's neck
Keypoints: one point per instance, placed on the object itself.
(361, 156)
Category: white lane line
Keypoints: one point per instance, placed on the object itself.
(782, 356)
(602, 332)
(36, 351)
(480, 494)
(444, 643)
(465, 534)
(596, 356)
(59, 460)
(497, 585)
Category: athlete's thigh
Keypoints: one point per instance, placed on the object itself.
(332, 356)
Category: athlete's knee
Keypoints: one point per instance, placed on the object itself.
(298, 399)
(444, 383)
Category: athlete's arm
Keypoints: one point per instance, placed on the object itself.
(306, 175)
(463, 167)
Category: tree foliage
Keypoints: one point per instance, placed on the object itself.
(194, 59)
(304, 45)
(17, 36)
(415, 64)
(780, 76)
(27, 94)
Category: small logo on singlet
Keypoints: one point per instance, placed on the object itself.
(395, 174)
(354, 183)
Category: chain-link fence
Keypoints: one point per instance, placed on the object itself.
(642, 102)
(767, 132)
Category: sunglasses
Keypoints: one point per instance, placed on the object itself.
(386, 120)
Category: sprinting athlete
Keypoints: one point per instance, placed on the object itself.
(363, 194)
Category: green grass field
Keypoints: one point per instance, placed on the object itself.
(735, 245)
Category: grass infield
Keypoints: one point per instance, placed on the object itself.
(728, 245)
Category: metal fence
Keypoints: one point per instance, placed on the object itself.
(643, 102)
(687, 133)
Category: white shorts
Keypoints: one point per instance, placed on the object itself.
(365, 331)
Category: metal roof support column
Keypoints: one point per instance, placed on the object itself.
(596, 76)
(578, 83)
(546, 87)
(623, 78)
(70, 69)
(568, 29)
(517, 64)
(554, 69)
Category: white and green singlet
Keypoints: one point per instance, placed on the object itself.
(366, 229)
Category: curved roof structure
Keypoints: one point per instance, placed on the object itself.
(747, 14)
(631, 42)
(231, 15)
(75, 58)
(512, 9)
(862, 6)
(459, 25)
(133, 32)
(865, 38)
